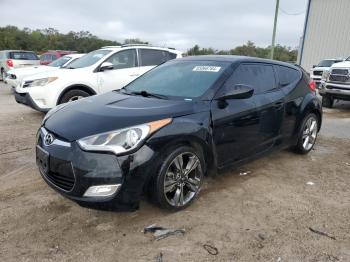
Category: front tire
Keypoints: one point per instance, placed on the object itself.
(327, 101)
(179, 178)
(2, 73)
(307, 134)
(73, 95)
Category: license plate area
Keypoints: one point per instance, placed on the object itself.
(42, 159)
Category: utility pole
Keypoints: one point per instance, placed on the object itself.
(274, 29)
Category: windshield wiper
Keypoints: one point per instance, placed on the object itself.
(144, 93)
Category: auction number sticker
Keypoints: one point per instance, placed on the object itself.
(214, 69)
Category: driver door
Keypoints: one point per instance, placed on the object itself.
(125, 69)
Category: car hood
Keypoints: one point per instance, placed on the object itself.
(27, 71)
(112, 111)
(320, 68)
(59, 72)
(345, 64)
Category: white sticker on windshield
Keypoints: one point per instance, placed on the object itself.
(214, 69)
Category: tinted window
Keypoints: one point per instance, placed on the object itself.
(150, 57)
(23, 56)
(327, 63)
(53, 57)
(188, 79)
(261, 77)
(123, 59)
(89, 59)
(172, 55)
(287, 75)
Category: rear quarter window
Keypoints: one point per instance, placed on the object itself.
(23, 56)
(287, 75)
(152, 57)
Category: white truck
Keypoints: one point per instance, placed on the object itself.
(335, 83)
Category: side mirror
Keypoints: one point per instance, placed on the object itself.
(106, 66)
(236, 92)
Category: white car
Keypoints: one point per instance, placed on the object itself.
(15, 76)
(324, 65)
(100, 71)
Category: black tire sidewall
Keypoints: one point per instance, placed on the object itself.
(75, 92)
(327, 101)
(158, 188)
(300, 149)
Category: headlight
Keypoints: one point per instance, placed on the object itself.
(122, 140)
(52, 111)
(39, 82)
(325, 75)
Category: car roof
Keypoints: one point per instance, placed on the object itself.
(169, 49)
(236, 59)
(75, 55)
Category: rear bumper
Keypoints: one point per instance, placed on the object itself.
(26, 99)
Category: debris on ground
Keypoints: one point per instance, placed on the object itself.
(279, 259)
(162, 232)
(310, 183)
(159, 257)
(321, 233)
(261, 236)
(211, 249)
(245, 173)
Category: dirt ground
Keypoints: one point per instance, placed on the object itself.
(264, 215)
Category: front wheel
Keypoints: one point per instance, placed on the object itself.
(73, 95)
(179, 179)
(307, 134)
(2, 74)
(327, 101)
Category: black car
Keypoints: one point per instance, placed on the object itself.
(161, 133)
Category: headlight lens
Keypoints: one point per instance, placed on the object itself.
(325, 75)
(39, 82)
(122, 140)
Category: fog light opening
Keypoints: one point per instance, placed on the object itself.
(102, 190)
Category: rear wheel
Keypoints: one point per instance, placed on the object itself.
(2, 74)
(179, 179)
(327, 101)
(73, 95)
(307, 134)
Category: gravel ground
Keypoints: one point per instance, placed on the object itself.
(264, 215)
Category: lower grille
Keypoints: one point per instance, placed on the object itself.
(61, 174)
(61, 180)
(318, 73)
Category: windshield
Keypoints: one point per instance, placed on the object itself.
(89, 59)
(23, 55)
(189, 79)
(60, 61)
(327, 63)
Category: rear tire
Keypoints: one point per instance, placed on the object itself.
(73, 95)
(327, 101)
(307, 134)
(179, 178)
(2, 74)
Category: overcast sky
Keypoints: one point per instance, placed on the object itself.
(221, 24)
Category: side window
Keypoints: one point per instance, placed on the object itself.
(151, 57)
(261, 77)
(43, 58)
(53, 58)
(287, 75)
(172, 55)
(123, 59)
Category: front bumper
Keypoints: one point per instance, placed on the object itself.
(26, 99)
(71, 171)
(337, 91)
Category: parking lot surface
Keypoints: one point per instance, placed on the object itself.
(262, 211)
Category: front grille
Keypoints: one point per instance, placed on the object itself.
(339, 78)
(27, 83)
(318, 73)
(61, 174)
(340, 72)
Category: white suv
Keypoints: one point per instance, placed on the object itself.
(99, 71)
